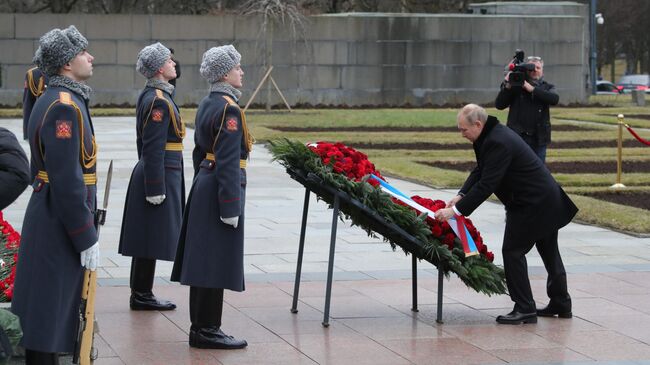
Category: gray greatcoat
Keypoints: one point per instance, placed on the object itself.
(151, 231)
(59, 222)
(211, 253)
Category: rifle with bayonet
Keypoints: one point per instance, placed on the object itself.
(84, 352)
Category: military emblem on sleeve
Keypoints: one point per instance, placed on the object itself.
(231, 125)
(157, 115)
(63, 129)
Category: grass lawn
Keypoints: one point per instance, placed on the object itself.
(406, 163)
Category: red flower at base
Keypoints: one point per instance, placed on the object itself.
(355, 166)
(9, 243)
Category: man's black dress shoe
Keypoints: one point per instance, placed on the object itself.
(149, 302)
(552, 311)
(213, 338)
(515, 317)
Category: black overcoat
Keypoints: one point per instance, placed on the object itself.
(535, 203)
(35, 84)
(529, 113)
(211, 253)
(14, 168)
(151, 231)
(59, 221)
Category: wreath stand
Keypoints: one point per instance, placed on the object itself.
(391, 231)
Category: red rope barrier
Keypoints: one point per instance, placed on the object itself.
(645, 142)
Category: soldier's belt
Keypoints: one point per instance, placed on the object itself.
(174, 146)
(210, 157)
(89, 179)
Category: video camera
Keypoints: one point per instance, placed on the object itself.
(519, 70)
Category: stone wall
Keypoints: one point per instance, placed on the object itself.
(352, 59)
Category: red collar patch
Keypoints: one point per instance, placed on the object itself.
(232, 125)
(63, 129)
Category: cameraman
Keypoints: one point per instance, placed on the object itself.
(529, 114)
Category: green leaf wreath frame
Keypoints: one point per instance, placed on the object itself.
(475, 271)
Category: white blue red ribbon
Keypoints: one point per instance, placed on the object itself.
(456, 223)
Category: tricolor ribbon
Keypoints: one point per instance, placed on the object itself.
(456, 223)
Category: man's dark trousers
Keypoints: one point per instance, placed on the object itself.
(515, 247)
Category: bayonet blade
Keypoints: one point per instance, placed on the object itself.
(107, 189)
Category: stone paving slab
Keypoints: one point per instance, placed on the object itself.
(372, 321)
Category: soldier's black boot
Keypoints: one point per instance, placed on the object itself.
(142, 297)
(206, 307)
(41, 358)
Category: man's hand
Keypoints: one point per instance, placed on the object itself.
(233, 221)
(90, 257)
(156, 199)
(528, 87)
(444, 214)
(453, 201)
(507, 80)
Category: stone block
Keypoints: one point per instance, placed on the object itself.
(248, 28)
(533, 29)
(7, 22)
(187, 52)
(286, 77)
(455, 28)
(35, 25)
(361, 97)
(284, 53)
(396, 27)
(566, 77)
(561, 53)
(393, 77)
(253, 53)
(324, 53)
(104, 51)
(192, 27)
(364, 53)
(319, 77)
(361, 77)
(127, 51)
(11, 98)
(501, 53)
(495, 28)
(13, 76)
(109, 26)
(14, 51)
(438, 52)
(112, 78)
(565, 29)
(329, 27)
(190, 79)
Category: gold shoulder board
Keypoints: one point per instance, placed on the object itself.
(65, 98)
(230, 101)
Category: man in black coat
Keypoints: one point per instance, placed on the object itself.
(14, 168)
(529, 114)
(536, 208)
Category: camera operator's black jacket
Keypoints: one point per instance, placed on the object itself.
(529, 114)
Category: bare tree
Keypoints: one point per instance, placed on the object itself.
(275, 13)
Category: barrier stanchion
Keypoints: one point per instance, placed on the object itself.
(619, 159)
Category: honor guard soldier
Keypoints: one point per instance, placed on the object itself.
(58, 230)
(156, 195)
(210, 256)
(35, 81)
